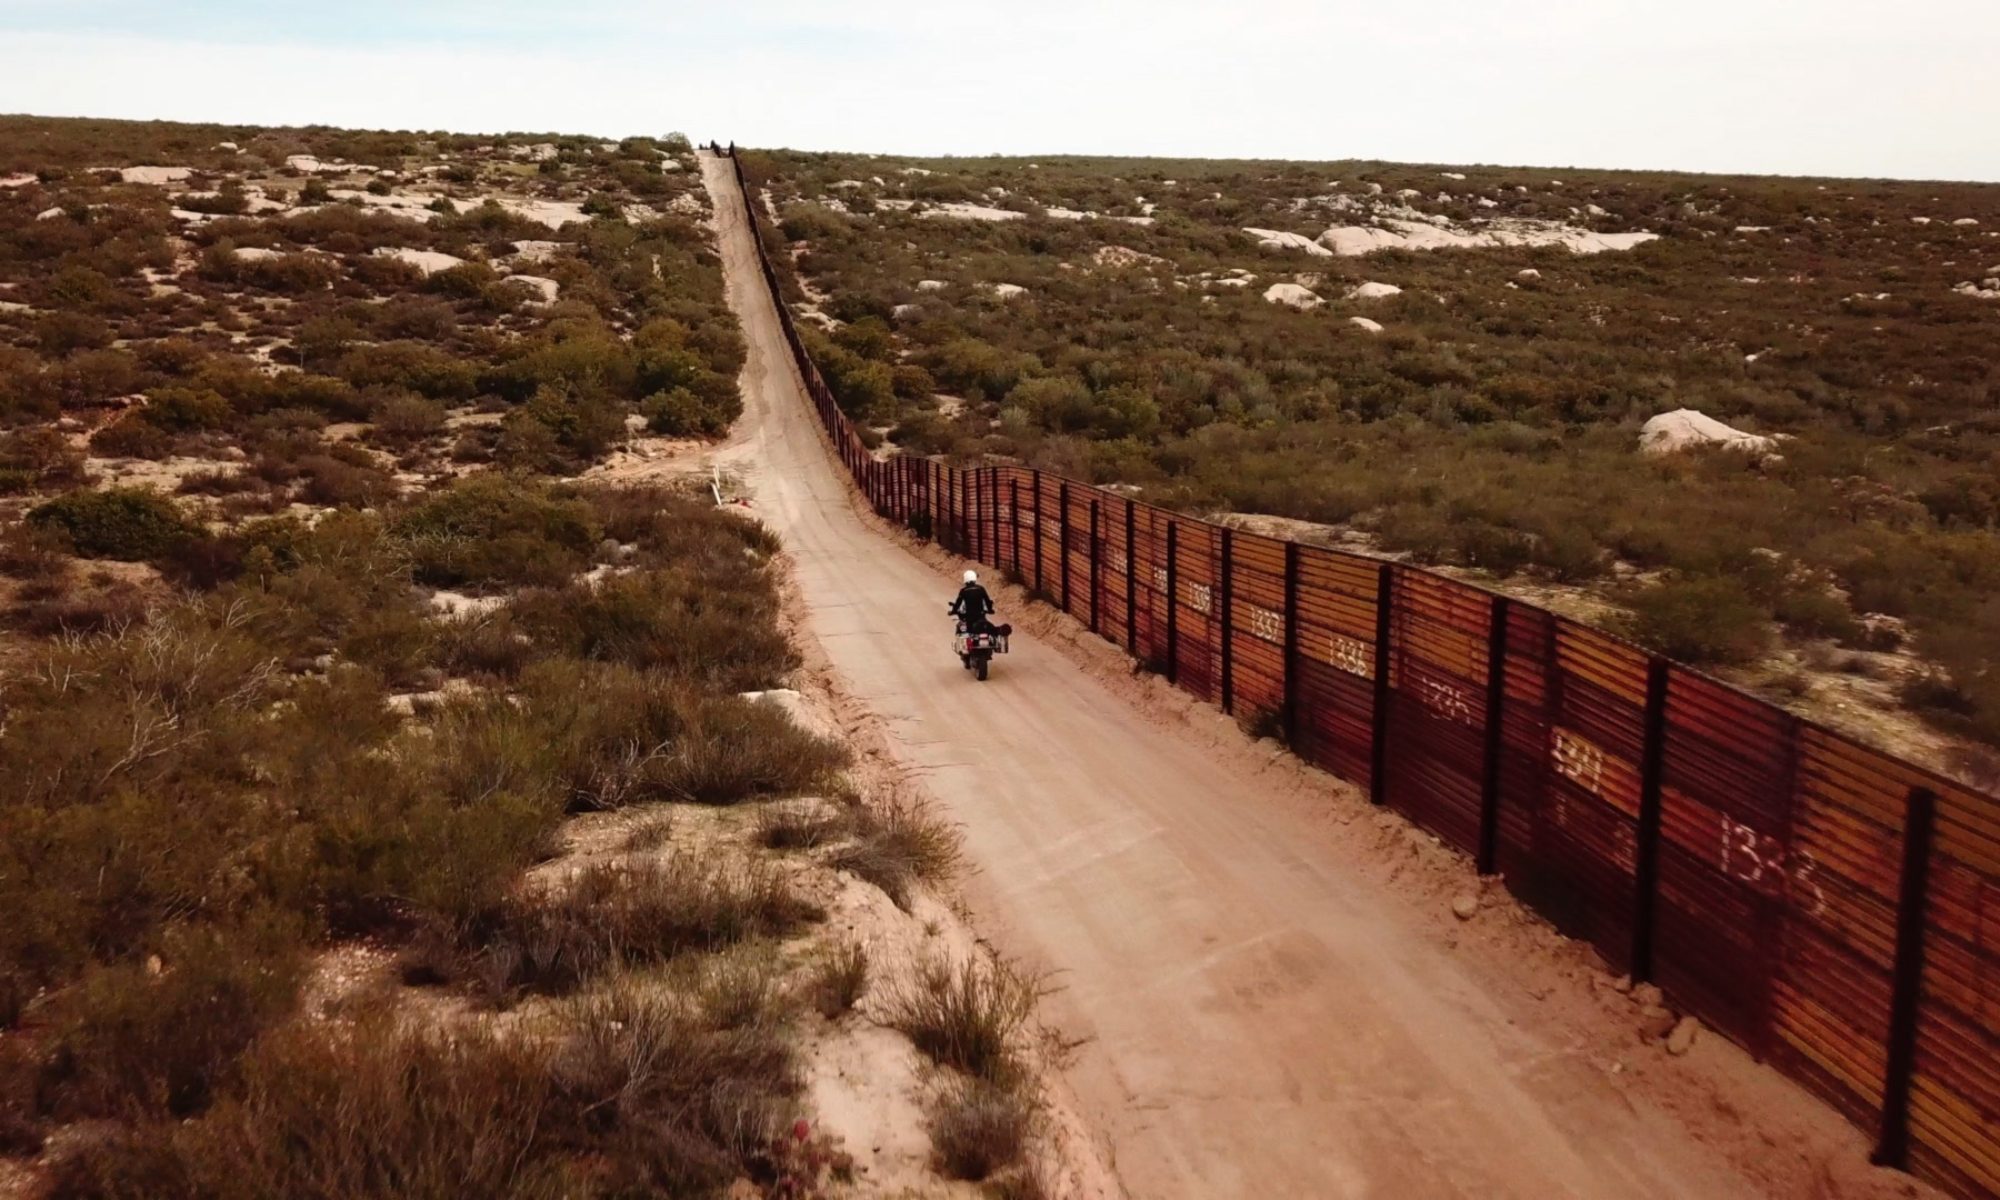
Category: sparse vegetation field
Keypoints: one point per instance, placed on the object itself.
(1455, 365)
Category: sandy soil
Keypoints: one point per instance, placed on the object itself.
(1268, 989)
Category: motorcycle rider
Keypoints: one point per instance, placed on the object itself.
(973, 605)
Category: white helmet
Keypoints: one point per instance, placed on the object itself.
(972, 577)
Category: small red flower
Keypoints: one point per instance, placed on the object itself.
(801, 1129)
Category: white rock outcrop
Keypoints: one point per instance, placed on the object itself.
(430, 262)
(1365, 323)
(1278, 239)
(1404, 234)
(1293, 295)
(1687, 428)
(155, 176)
(1373, 291)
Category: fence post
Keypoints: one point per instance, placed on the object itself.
(1062, 538)
(1131, 579)
(1496, 697)
(1290, 666)
(1228, 628)
(1646, 867)
(1378, 742)
(1173, 604)
(993, 513)
(1095, 568)
(1905, 1006)
(965, 512)
(1014, 522)
(1039, 591)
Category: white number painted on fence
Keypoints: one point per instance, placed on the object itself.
(1762, 862)
(1159, 579)
(1199, 597)
(1267, 625)
(1118, 562)
(1351, 654)
(1579, 761)
(1445, 700)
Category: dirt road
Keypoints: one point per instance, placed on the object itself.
(1259, 1021)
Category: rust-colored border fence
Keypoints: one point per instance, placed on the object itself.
(1831, 908)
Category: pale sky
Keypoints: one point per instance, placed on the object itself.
(1904, 88)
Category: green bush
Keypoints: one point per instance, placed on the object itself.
(131, 524)
(1700, 621)
(37, 458)
(497, 531)
(678, 412)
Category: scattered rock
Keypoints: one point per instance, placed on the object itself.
(1122, 256)
(430, 262)
(1966, 221)
(930, 285)
(1278, 239)
(155, 176)
(1365, 323)
(1373, 291)
(1655, 1023)
(1292, 294)
(1465, 906)
(1647, 995)
(1681, 1040)
(1007, 291)
(546, 289)
(1527, 273)
(1453, 175)
(1684, 428)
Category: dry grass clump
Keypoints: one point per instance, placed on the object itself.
(839, 983)
(970, 1018)
(800, 828)
(898, 845)
(979, 1129)
(628, 915)
(624, 1092)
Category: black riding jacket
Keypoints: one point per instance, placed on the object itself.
(973, 606)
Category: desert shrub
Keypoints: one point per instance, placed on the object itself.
(1816, 612)
(898, 845)
(790, 828)
(969, 1017)
(978, 1128)
(1700, 620)
(560, 431)
(631, 1093)
(411, 366)
(187, 409)
(493, 531)
(339, 481)
(841, 980)
(132, 435)
(134, 1042)
(695, 624)
(60, 334)
(610, 736)
(36, 458)
(322, 340)
(131, 524)
(466, 281)
(631, 916)
(679, 412)
(405, 419)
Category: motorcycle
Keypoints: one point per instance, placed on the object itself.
(976, 650)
